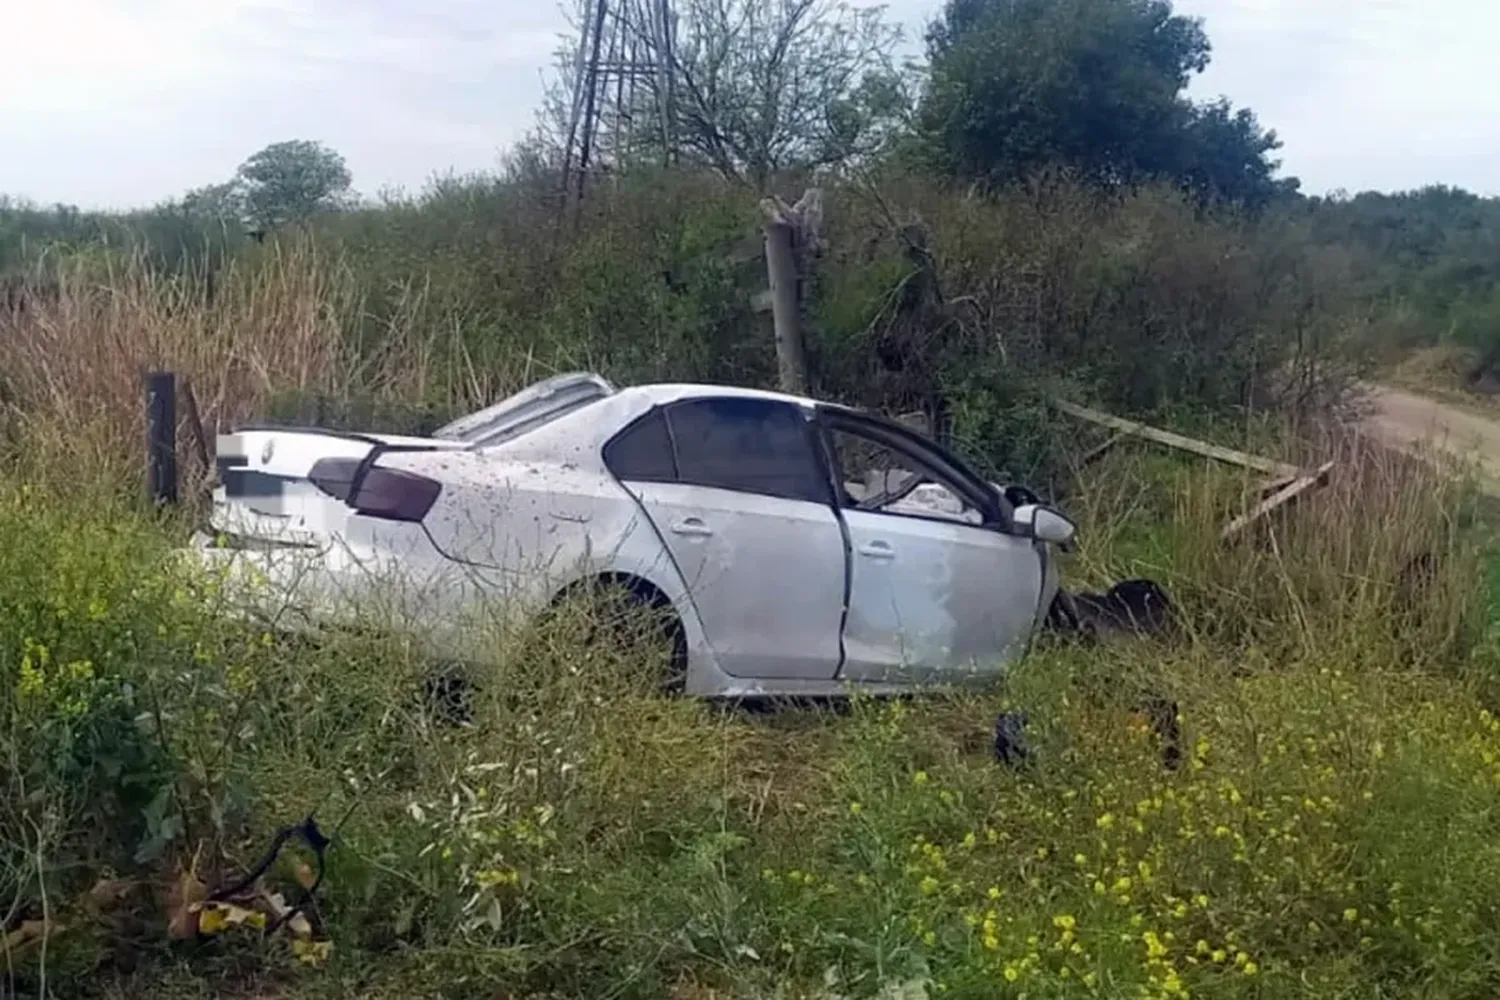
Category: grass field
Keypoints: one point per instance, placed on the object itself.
(1329, 833)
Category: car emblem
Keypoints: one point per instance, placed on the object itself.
(268, 451)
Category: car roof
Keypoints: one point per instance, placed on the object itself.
(671, 392)
(579, 435)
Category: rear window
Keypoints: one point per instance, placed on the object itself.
(642, 452)
(509, 427)
(532, 407)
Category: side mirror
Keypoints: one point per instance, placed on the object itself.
(1044, 524)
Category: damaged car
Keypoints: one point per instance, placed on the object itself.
(793, 547)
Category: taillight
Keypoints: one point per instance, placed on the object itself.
(334, 476)
(386, 493)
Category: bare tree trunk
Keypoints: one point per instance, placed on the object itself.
(786, 306)
(792, 236)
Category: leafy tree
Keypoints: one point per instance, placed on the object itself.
(1224, 154)
(1093, 85)
(291, 182)
(1430, 257)
(215, 203)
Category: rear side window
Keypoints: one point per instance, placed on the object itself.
(642, 452)
(750, 445)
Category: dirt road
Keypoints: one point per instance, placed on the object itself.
(1402, 418)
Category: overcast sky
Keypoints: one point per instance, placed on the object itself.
(115, 103)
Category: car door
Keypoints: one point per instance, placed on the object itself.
(937, 582)
(735, 488)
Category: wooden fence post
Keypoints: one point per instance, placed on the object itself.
(195, 428)
(161, 438)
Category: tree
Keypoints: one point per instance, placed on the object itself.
(215, 203)
(755, 87)
(1093, 85)
(767, 86)
(291, 182)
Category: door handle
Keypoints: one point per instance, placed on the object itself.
(877, 550)
(691, 526)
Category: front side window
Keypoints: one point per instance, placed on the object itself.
(880, 476)
(749, 445)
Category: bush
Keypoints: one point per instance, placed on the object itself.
(924, 299)
(84, 610)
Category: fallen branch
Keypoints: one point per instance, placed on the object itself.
(1094, 454)
(1179, 441)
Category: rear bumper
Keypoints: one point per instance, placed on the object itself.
(447, 610)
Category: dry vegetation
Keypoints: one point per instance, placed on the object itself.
(1330, 833)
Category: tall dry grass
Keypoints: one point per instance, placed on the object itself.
(289, 320)
(1387, 556)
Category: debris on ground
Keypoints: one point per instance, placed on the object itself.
(1152, 713)
(1137, 607)
(1010, 738)
(193, 911)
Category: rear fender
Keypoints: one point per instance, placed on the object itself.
(528, 530)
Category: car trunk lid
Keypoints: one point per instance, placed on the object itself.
(266, 495)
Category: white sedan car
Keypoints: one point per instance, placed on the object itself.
(796, 547)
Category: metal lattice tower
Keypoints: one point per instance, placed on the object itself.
(624, 88)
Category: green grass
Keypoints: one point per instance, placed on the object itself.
(584, 838)
(1330, 833)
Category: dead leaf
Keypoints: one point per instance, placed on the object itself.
(210, 920)
(27, 936)
(217, 917)
(312, 952)
(111, 892)
(184, 900)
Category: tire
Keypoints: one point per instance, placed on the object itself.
(634, 616)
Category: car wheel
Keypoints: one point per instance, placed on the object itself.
(637, 621)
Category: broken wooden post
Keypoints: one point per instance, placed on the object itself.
(1171, 440)
(781, 265)
(161, 438)
(195, 427)
(1286, 484)
(791, 233)
(1285, 495)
